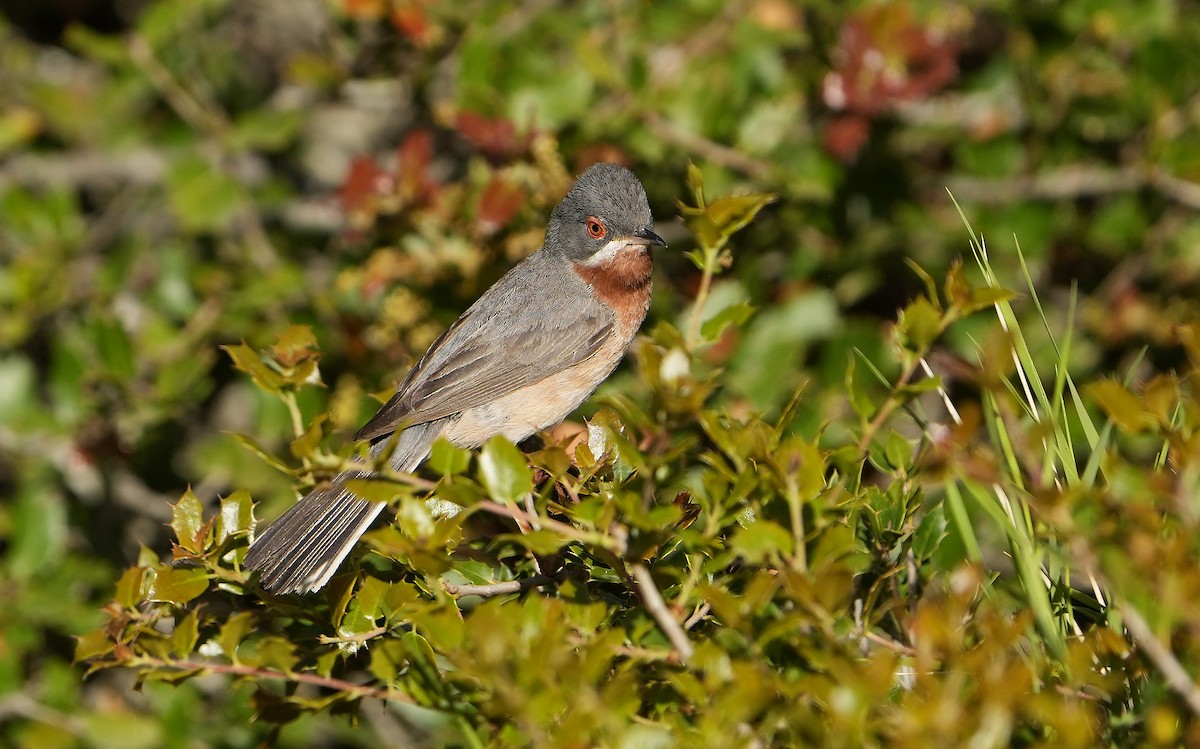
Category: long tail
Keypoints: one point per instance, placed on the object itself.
(301, 550)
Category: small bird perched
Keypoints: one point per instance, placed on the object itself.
(525, 355)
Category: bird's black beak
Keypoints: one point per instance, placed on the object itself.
(647, 237)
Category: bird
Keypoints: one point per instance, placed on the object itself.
(520, 359)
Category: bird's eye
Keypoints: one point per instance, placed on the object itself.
(595, 228)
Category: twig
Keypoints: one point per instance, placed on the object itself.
(1075, 182)
(496, 508)
(697, 616)
(654, 603)
(889, 405)
(499, 589)
(896, 647)
(717, 153)
(328, 682)
(359, 638)
(1161, 656)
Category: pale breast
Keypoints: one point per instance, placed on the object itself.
(540, 405)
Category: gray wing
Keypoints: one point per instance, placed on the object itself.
(511, 337)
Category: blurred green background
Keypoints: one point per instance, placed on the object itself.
(183, 174)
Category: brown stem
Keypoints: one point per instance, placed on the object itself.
(657, 607)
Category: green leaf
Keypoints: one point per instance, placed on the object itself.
(202, 196)
(296, 344)
(447, 458)
(505, 471)
(762, 540)
(246, 359)
(177, 584)
(187, 520)
(235, 515)
(131, 588)
(735, 314)
(233, 631)
(93, 644)
(187, 632)
(731, 214)
(918, 325)
(306, 444)
(266, 129)
(542, 541)
(986, 297)
(377, 489)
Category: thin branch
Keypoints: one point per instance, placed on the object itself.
(717, 153)
(895, 647)
(1075, 182)
(1161, 656)
(359, 638)
(502, 588)
(521, 516)
(697, 616)
(657, 607)
(328, 682)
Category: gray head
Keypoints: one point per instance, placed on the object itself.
(606, 202)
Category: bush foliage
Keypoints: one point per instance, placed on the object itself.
(863, 481)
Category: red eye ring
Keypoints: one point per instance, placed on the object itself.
(595, 228)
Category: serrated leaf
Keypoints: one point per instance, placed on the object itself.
(178, 584)
(505, 471)
(187, 520)
(263, 454)
(93, 644)
(131, 588)
(542, 541)
(732, 213)
(929, 534)
(387, 658)
(235, 515)
(246, 359)
(735, 314)
(918, 325)
(187, 632)
(306, 444)
(233, 631)
(273, 652)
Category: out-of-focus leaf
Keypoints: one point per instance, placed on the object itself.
(505, 471)
(447, 458)
(247, 360)
(1121, 405)
(735, 314)
(203, 198)
(918, 325)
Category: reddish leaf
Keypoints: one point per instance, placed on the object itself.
(496, 138)
(845, 136)
(499, 202)
(364, 10)
(885, 58)
(410, 19)
(363, 183)
(415, 181)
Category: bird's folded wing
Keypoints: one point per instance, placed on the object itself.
(479, 360)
